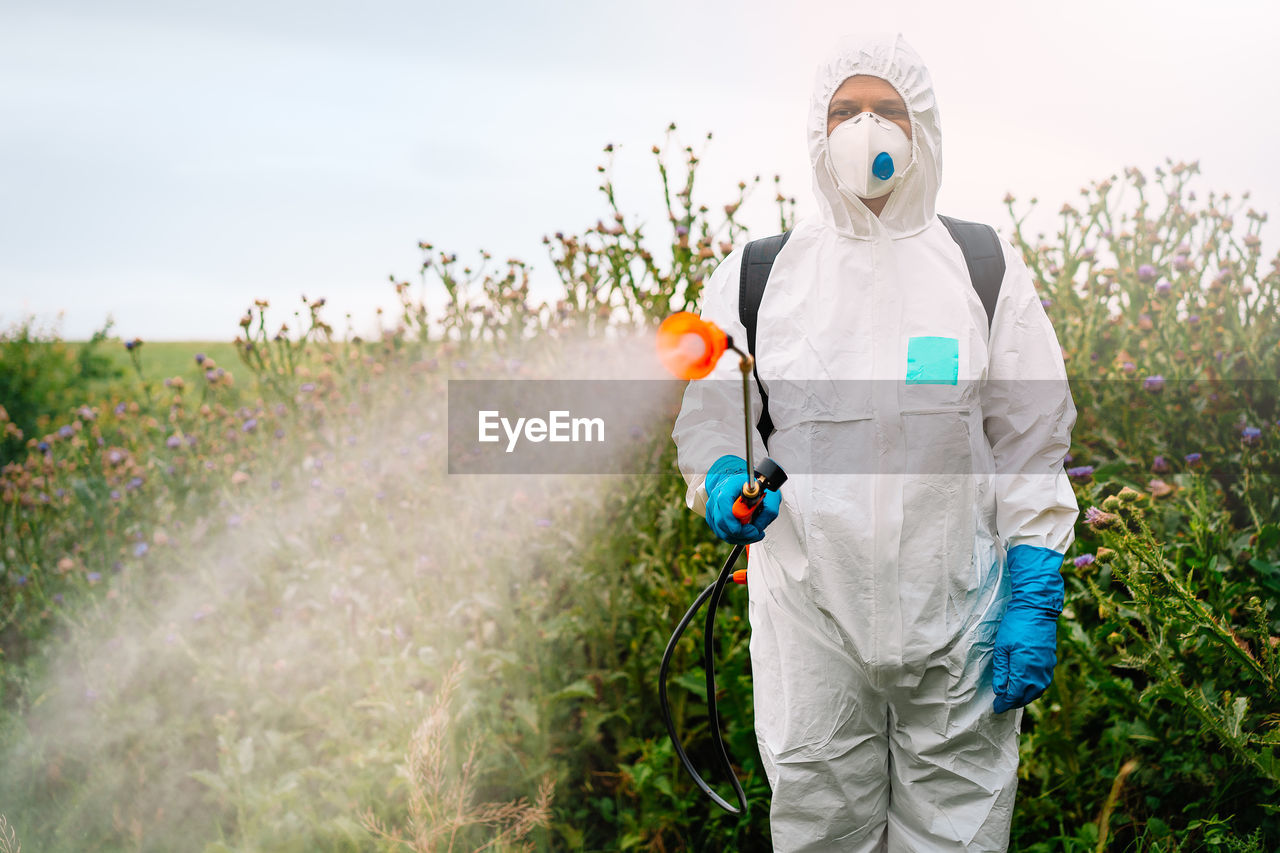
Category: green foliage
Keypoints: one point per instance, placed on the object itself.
(41, 376)
(242, 595)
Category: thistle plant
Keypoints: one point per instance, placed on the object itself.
(1222, 668)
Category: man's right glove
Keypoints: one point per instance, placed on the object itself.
(724, 486)
(1027, 641)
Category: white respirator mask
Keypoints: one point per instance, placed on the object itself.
(868, 155)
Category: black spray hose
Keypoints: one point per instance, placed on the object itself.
(713, 592)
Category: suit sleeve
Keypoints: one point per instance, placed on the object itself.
(710, 423)
(1028, 415)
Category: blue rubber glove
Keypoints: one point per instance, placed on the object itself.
(724, 486)
(1027, 642)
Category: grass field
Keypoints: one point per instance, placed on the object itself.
(162, 359)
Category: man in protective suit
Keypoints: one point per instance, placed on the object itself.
(904, 601)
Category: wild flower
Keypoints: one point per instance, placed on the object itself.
(1163, 288)
(1146, 273)
(1099, 520)
(1081, 474)
(1250, 434)
(1192, 459)
(1159, 488)
(1153, 383)
(173, 441)
(66, 431)
(1159, 465)
(140, 549)
(93, 577)
(249, 425)
(1084, 560)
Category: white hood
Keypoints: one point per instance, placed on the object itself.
(911, 205)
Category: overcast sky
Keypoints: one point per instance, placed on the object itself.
(167, 162)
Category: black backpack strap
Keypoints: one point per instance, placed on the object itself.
(757, 261)
(983, 257)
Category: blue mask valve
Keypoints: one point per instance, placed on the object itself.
(882, 166)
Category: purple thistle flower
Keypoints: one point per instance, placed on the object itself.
(1153, 383)
(115, 494)
(199, 358)
(66, 431)
(1250, 434)
(308, 386)
(1193, 319)
(1045, 303)
(22, 580)
(1159, 465)
(1100, 520)
(134, 482)
(119, 409)
(1163, 288)
(43, 447)
(543, 522)
(249, 425)
(1146, 273)
(682, 231)
(140, 549)
(94, 577)
(1181, 263)
(1083, 474)
(1192, 458)
(173, 441)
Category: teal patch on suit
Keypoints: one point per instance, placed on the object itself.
(933, 361)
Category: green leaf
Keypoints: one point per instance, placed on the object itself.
(210, 780)
(693, 682)
(580, 689)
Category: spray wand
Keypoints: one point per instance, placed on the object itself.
(690, 347)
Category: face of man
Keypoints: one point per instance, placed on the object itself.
(864, 93)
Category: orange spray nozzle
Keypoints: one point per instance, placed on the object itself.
(689, 346)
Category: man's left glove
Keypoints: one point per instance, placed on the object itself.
(724, 486)
(1027, 641)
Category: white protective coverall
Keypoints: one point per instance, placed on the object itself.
(876, 594)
